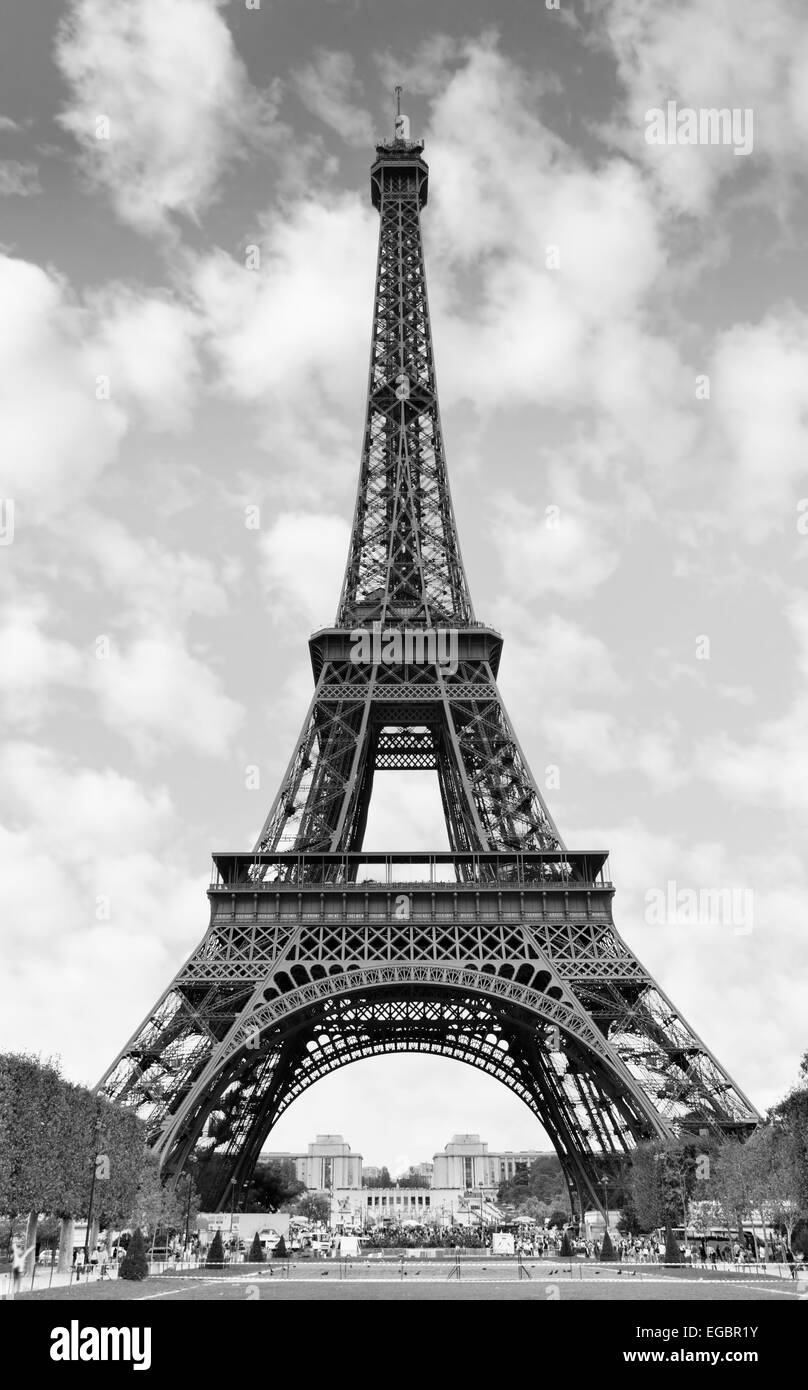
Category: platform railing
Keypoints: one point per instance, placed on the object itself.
(441, 872)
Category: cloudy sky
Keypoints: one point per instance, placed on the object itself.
(186, 272)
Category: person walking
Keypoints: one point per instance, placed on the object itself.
(792, 1264)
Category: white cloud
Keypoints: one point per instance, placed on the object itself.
(56, 437)
(545, 272)
(100, 810)
(293, 337)
(33, 660)
(426, 70)
(770, 766)
(603, 743)
(18, 179)
(177, 97)
(147, 347)
(92, 842)
(301, 321)
(75, 378)
(566, 549)
(155, 582)
(328, 88)
(745, 1009)
(550, 660)
(304, 560)
(406, 813)
(759, 414)
(160, 696)
(710, 54)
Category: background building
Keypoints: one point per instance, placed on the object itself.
(466, 1164)
(327, 1165)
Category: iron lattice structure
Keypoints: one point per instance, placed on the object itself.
(501, 953)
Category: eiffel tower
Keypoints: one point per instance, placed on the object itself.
(501, 952)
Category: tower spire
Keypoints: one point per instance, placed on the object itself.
(404, 560)
(402, 125)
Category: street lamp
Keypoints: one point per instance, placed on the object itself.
(605, 1205)
(481, 1215)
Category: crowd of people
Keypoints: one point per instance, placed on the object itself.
(427, 1237)
(536, 1243)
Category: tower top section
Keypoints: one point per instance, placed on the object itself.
(398, 167)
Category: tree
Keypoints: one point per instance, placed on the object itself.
(566, 1246)
(189, 1203)
(799, 1238)
(629, 1224)
(274, 1184)
(216, 1252)
(705, 1215)
(60, 1142)
(673, 1255)
(542, 1181)
(383, 1180)
(607, 1249)
(728, 1183)
(790, 1118)
(315, 1206)
(256, 1250)
(280, 1252)
(134, 1264)
(155, 1206)
(412, 1179)
(535, 1209)
(663, 1178)
(54, 1133)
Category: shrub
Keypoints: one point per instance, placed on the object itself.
(673, 1255)
(280, 1252)
(134, 1264)
(607, 1249)
(256, 1250)
(216, 1252)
